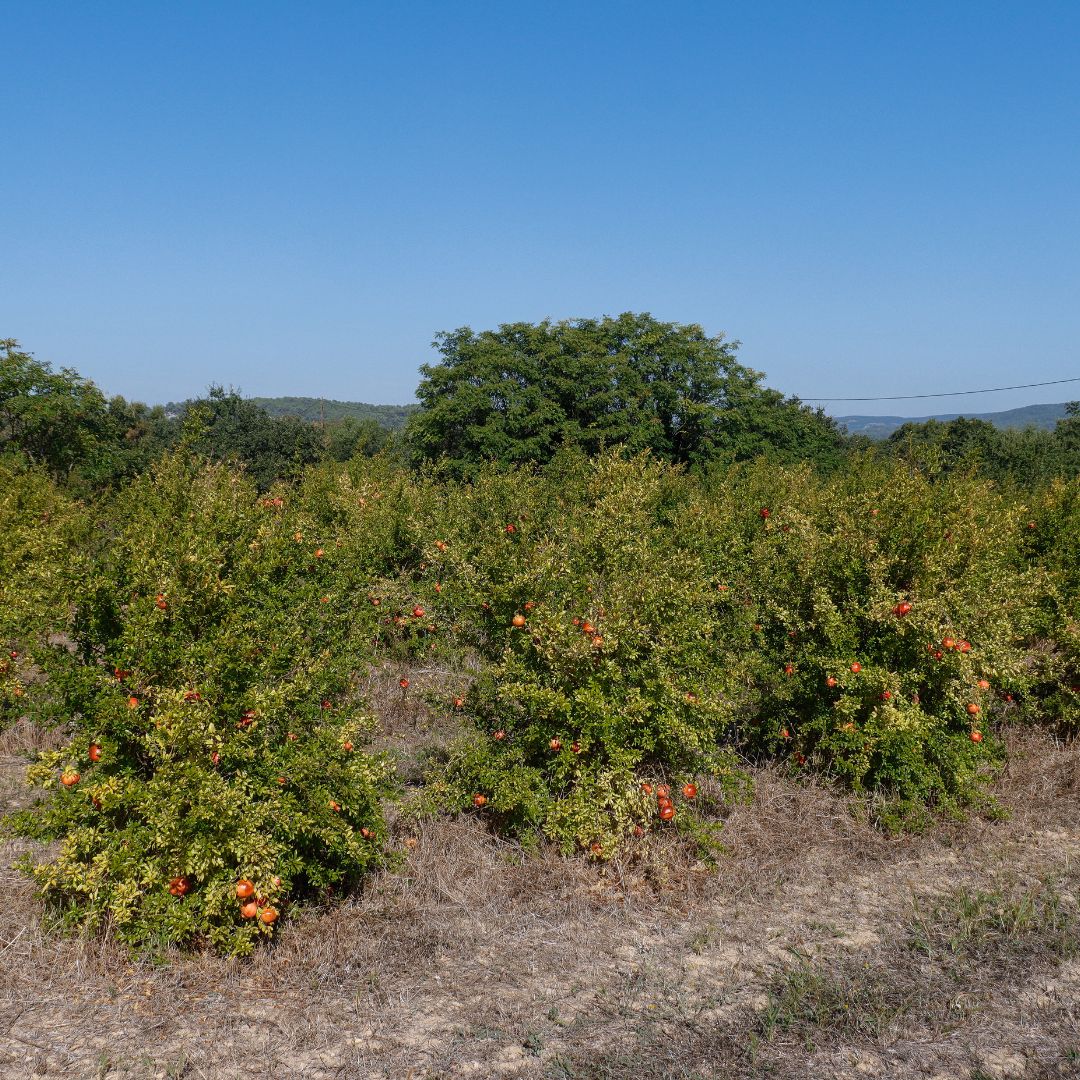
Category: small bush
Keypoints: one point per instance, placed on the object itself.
(216, 734)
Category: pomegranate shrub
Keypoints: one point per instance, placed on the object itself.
(621, 638)
(215, 733)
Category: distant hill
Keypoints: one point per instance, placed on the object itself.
(876, 427)
(881, 427)
(307, 408)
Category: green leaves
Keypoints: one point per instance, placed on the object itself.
(519, 394)
(218, 687)
(601, 624)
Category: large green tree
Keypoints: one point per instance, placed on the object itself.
(520, 393)
(62, 421)
(54, 418)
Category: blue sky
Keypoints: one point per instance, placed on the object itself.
(872, 197)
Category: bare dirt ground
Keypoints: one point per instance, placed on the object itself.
(816, 948)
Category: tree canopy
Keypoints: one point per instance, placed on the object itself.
(1023, 455)
(520, 393)
(226, 426)
(63, 422)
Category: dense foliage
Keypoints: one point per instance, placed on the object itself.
(616, 636)
(1019, 455)
(513, 396)
(520, 393)
(62, 421)
(216, 732)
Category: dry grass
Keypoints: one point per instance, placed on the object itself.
(817, 948)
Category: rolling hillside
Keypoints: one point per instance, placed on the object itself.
(881, 427)
(307, 408)
(876, 427)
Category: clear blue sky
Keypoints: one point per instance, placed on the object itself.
(874, 197)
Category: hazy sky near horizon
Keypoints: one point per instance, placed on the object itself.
(874, 198)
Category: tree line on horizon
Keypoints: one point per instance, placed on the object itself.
(516, 395)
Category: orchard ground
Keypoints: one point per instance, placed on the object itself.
(817, 946)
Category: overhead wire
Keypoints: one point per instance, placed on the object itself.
(952, 393)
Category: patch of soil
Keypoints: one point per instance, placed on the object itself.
(796, 957)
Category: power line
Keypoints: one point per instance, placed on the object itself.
(954, 393)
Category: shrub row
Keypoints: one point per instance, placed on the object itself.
(634, 636)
